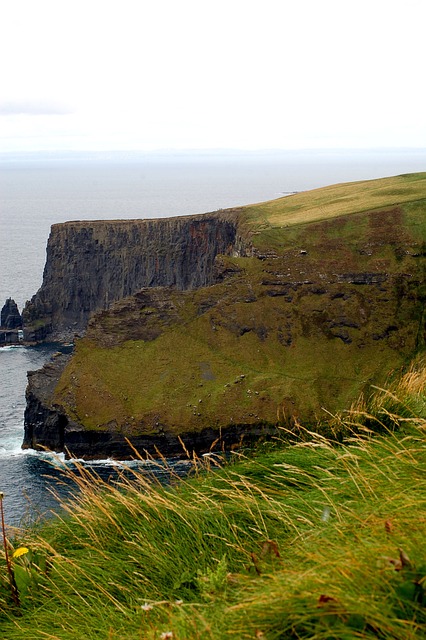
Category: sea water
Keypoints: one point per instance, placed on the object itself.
(38, 190)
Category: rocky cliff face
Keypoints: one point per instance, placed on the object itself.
(46, 423)
(90, 265)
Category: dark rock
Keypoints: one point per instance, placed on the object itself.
(285, 338)
(10, 316)
(41, 333)
(94, 445)
(9, 336)
(385, 333)
(341, 333)
(262, 332)
(44, 424)
(363, 278)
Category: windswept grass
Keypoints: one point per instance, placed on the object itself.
(316, 539)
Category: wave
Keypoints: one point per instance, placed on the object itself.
(6, 452)
(58, 460)
(11, 347)
(169, 464)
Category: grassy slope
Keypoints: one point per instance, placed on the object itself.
(307, 541)
(293, 359)
(334, 201)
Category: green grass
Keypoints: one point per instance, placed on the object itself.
(339, 199)
(165, 378)
(346, 207)
(320, 539)
(291, 359)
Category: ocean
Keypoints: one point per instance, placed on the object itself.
(40, 189)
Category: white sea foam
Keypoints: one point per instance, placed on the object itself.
(11, 347)
(13, 453)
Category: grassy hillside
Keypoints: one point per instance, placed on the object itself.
(311, 539)
(332, 299)
(337, 200)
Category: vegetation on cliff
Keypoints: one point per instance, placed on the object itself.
(309, 539)
(332, 298)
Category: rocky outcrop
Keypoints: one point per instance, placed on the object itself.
(10, 337)
(90, 265)
(10, 316)
(11, 324)
(44, 423)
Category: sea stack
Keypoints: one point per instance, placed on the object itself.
(10, 316)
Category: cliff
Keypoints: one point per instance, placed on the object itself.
(315, 298)
(90, 265)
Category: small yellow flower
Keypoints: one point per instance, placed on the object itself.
(20, 552)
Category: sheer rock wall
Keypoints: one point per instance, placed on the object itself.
(91, 264)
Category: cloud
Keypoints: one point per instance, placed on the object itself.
(33, 108)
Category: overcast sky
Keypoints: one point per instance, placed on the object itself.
(173, 74)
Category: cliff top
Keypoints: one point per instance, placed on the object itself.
(120, 222)
(330, 202)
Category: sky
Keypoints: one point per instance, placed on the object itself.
(211, 74)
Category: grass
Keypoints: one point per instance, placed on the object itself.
(323, 538)
(344, 210)
(288, 353)
(339, 199)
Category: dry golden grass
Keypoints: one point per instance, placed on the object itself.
(338, 200)
(314, 541)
